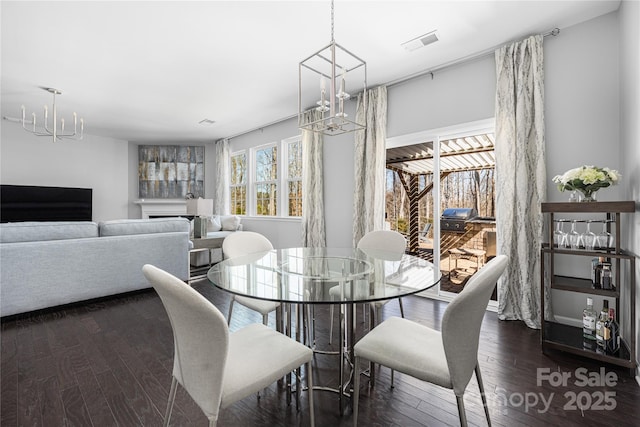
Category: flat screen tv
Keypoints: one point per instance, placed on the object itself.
(35, 203)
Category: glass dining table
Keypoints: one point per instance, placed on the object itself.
(299, 277)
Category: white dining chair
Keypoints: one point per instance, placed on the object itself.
(217, 368)
(244, 243)
(382, 240)
(446, 358)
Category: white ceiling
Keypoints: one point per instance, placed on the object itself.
(149, 71)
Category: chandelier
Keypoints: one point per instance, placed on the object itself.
(332, 64)
(52, 130)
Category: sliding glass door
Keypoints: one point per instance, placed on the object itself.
(440, 195)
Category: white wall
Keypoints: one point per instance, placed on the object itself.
(582, 112)
(460, 94)
(94, 162)
(629, 16)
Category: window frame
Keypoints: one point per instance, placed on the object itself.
(282, 181)
(254, 183)
(245, 185)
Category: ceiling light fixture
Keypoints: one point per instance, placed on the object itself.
(325, 64)
(53, 131)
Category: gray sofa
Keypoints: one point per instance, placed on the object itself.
(45, 264)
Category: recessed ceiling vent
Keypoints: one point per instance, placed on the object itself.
(421, 41)
(206, 122)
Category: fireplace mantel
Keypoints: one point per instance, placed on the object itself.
(162, 207)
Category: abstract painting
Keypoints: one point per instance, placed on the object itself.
(170, 171)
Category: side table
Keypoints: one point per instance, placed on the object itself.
(202, 244)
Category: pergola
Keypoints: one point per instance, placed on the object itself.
(457, 154)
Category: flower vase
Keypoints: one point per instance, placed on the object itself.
(588, 196)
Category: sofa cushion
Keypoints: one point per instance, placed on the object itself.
(143, 226)
(213, 223)
(46, 230)
(230, 222)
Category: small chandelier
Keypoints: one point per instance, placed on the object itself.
(53, 130)
(332, 64)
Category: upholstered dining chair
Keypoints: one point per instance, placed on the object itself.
(244, 243)
(217, 368)
(446, 358)
(383, 240)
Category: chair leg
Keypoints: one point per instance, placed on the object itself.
(482, 394)
(310, 388)
(172, 398)
(356, 390)
(265, 319)
(392, 372)
(330, 323)
(230, 310)
(401, 307)
(461, 413)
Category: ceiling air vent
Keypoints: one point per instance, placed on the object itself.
(206, 122)
(421, 41)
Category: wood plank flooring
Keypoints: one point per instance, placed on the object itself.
(109, 362)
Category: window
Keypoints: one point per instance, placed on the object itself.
(294, 177)
(270, 183)
(239, 183)
(266, 181)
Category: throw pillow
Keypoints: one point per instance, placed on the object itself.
(230, 222)
(214, 223)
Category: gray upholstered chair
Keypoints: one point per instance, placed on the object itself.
(446, 358)
(383, 240)
(215, 367)
(244, 243)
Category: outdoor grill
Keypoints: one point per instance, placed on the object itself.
(454, 219)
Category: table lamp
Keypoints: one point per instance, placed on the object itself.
(200, 208)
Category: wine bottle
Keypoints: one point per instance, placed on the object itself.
(611, 333)
(603, 317)
(589, 321)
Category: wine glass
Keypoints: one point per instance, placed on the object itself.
(575, 238)
(559, 235)
(605, 239)
(590, 238)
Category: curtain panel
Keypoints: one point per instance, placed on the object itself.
(313, 225)
(222, 196)
(520, 177)
(370, 163)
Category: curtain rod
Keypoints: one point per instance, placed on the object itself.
(260, 127)
(459, 61)
(475, 56)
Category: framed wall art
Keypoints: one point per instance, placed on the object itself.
(170, 171)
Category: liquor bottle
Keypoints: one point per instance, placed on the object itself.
(595, 278)
(596, 275)
(589, 321)
(605, 276)
(602, 319)
(611, 333)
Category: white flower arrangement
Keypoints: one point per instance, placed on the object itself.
(587, 179)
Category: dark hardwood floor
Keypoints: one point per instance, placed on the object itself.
(109, 362)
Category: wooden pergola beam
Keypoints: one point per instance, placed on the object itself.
(411, 189)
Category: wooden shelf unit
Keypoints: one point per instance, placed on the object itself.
(569, 338)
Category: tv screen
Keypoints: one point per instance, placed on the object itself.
(20, 203)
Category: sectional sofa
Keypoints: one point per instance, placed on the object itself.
(45, 264)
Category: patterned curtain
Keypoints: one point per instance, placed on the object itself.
(370, 162)
(222, 197)
(313, 231)
(520, 177)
